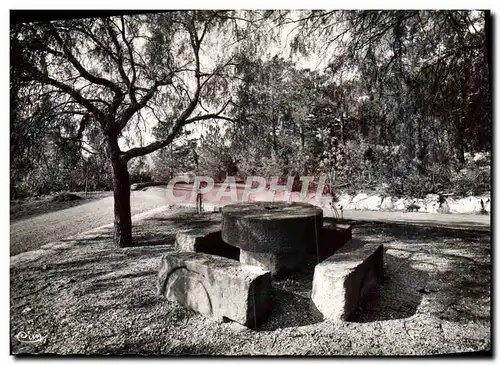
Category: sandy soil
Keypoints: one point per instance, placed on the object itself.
(38, 229)
(23, 209)
(83, 296)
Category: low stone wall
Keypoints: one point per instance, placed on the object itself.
(363, 201)
(374, 202)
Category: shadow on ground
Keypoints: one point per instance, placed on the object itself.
(290, 300)
(399, 294)
(411, 233)
(186, 221)
(450, 268)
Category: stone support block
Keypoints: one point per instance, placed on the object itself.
(280, 264)
(216, 286)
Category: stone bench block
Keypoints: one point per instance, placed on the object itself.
(332, 237)
(347, 279)
(207, 240)
(216, 286)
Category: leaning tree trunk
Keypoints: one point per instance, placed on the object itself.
(121, 193)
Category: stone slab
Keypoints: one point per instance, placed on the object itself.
(207, 240)
(347, 279)
(332, 237)
(216, 286)
(271, 226)
(279, 265)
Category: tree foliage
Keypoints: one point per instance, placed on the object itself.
(405, 95)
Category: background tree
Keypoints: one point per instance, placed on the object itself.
(177, 157)
(425, 77)
(216, 156)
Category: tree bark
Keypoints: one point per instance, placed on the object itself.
(121, 194)
(275, 143)
(121, 188)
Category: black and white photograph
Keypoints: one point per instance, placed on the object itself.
(251, 182)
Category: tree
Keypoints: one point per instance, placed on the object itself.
(271, 134)
(113, 73)
(177, 157)
(215, 153)
(425, 75)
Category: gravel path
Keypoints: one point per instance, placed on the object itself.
(31, 233)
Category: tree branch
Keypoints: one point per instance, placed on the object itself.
(194, 101)
(174, 131)
(119, 51)
(39, 76)
(87, 75)
(135, 107)
(182, 120)
(132, 65)
(211, 116)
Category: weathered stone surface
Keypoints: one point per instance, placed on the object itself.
(334, 235)
(207, 240)
(351, 245)
(216, 286)
(271, 227)
(387, 203)
(444, 208)
(280, 264)
(347, 279)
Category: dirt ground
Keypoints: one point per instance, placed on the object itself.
(83, 296)
(23, 209)
(37, 222)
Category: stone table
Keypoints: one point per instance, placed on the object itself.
(272, 235)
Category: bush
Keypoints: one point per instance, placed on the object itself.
(472, 181)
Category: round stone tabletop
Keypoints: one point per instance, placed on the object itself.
(271, 227)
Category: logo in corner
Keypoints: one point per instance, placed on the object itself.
(28, 337)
